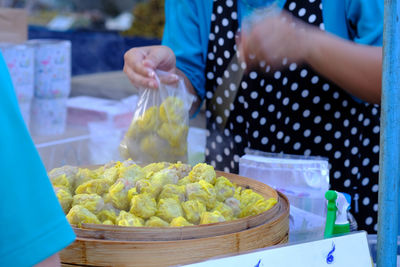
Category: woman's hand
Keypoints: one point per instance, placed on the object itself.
(141, 63)
(273, 39)
(354, 67)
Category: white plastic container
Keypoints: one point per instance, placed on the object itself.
(49, 116)
(52, 68)
(85, 109)
(25, 108)
(20, 62)
(304, 180)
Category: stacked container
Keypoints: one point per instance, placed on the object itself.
(52, 86)
(20, 62)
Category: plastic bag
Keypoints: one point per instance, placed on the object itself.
(303, 179)
(159, 128)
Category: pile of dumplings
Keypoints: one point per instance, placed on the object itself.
(157, 195)
(158, 134)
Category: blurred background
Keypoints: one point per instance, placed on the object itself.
(100, 31)
(65, 58)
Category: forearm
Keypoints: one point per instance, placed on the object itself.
(355, 68)
(53, 261)
(191, 90)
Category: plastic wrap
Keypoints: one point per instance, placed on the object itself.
(304, 180)
(159, 128)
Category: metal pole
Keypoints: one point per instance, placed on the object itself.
(389, 175)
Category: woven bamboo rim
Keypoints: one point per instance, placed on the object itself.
(111, 232)
(102, 245)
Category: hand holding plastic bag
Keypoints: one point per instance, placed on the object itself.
(159, 128)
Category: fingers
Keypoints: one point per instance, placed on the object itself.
(141, 64)
(270, 41)
(249, 50)
(140, 80)
(169, 79)
(134, 59)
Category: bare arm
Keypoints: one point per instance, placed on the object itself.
(356, 68)
(53, 261)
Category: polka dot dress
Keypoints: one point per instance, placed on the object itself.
(293, 110)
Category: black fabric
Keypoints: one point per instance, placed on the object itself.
(294, 111)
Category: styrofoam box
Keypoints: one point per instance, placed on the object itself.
(85, 109)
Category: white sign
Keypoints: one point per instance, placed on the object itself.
(343, 251)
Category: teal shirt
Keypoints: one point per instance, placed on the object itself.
(188, 25)
(32, 224)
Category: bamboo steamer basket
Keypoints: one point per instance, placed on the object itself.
(104, 245)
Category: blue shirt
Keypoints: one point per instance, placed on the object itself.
(188, 25)
(32, 224)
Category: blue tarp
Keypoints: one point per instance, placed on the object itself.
(93, 51)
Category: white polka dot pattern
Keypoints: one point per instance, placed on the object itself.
(292, 110)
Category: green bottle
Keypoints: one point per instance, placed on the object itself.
(336, 216)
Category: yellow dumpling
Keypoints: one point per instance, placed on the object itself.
(182, 169)
(234, 204)
(85, 175)
(155, 221)
(93, 202)
(238, 191)
(184, 181)
(249, 197)
(149, 121)
(127, 219)
(64, 197)
(147, 187)
(164, 177)
(108, 222)
(108, 213)
(112, 174)
(179, 221)
(203, 171)
(224, 188)
(154, 167)
(225, 210)
(133, 173)
(258, 207)
(211, 217)
(203, 192)
(193, 210)
(154, 147)
(175, 134)
(168, 209)
(143, 206)
(64, 176)
(132, 192)
(173, 191)
(179, 152)
(96, 186)
(128, 162)
(110, 164)
(133, 131)
(172, 109)
(79, 214)
(118, 194)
